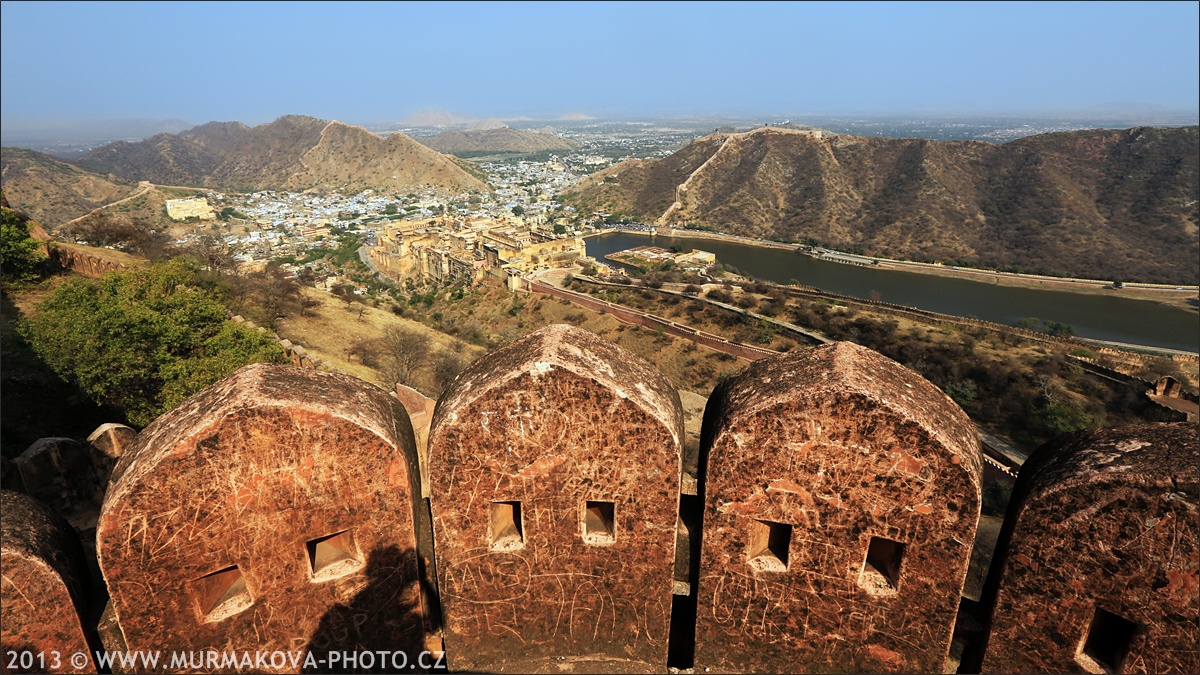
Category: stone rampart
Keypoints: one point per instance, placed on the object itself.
(43, 608)
(841, 495)
(1098, 568)
(836, 511)
(82, 262)
(554, 544)
(272, 510)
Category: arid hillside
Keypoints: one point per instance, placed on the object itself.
(502, 139)
(52, 191)
(1116, 204)
(293, 152)
(352, 159)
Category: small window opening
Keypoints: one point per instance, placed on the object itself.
(221, 594)
(504, 526)
(599, 526)
(333, 556)
(881, 570)
(1107, 643)
(769, 544)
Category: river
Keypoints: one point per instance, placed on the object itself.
(1101, 317)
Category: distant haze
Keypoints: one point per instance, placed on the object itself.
(376, 63)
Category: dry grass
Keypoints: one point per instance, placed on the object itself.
(332, 328)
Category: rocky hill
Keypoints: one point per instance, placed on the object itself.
(352, 159)
(293, 152)
(1100, 203)
(52, 191)
(501, 139)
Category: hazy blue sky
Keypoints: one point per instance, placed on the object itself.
(365, 62)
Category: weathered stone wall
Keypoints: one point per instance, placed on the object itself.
(61, 472)
(41, 589)
(554, 480)
(82, 262)
(296, 354)
(281, 509)
(273, 510)
(842, 493)
(1098, 567)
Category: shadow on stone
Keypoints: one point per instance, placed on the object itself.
(377, 619)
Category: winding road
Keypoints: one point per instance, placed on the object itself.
(145, 186)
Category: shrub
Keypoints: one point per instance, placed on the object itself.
(145, 339)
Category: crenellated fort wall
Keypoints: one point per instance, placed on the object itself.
(543, 527)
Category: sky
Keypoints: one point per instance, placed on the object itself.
(368, 62)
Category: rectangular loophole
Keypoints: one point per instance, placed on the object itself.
(1107, 643)
(769, 545)
(504, 526)
(599, 525)
(881, 570)
(220, 595)
(333, 556)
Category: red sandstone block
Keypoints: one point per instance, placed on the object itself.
(841, 495)
(554, 476)
(41, 589)
(106, 445)
(271, 511)
(1098, 569)
(59, 471)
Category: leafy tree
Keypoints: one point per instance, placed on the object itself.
(20, 258)
(964, 392)
(144, 339)
(518, 210)
(1056, 328)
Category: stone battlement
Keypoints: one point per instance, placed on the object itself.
(544, 526)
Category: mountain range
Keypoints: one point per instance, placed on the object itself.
(1118, 204)
(292, 153)
(52, 191)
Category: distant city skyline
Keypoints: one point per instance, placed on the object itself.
(367, 62)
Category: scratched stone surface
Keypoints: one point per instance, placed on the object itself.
(1106, 520)
(548, 424)
(41, 589)
(807, 458)
(271, 511)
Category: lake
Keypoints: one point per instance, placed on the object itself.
(1101, 317)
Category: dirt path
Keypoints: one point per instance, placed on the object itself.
(145, 186)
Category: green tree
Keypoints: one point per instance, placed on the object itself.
(21, 257)
(144, 339)
(518, 210)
